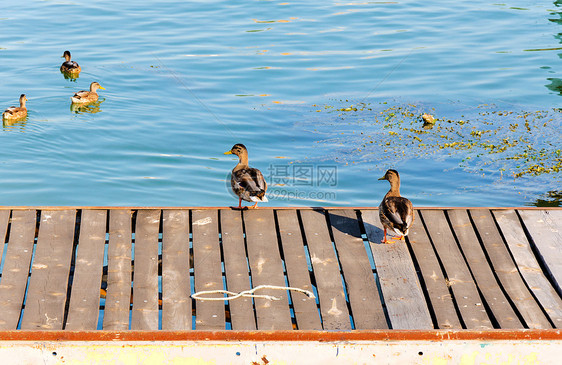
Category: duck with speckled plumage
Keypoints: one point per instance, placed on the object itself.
(14, 113)
(69, 67)
(83, 97)
(247, 182)
(395, 212)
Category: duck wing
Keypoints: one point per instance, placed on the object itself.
(399, 211)
(81, 94)
(70, 64)
(250, 180)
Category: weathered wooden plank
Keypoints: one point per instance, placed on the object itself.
(506, 270)
(242, 315)
(119, 271)
(4, 219)
(306, 311)
(458, 275)
(209, 315)
(145, 272)
(267, 269)
(46, 295)
(366, 306)
(84, 303)
(545, 228)
(433, 278)
(176, 285)
(403, 296)
(16, 267)
(528, 266)
(329, 285)
(480, 268)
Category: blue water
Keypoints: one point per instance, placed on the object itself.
(187, 80)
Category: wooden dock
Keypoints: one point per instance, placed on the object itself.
(120, 269)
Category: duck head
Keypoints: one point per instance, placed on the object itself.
(238, 149)
(95, 86)
(23, 99)
(391, 175)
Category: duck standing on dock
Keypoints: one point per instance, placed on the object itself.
(69, 67)
(396, 212)
(15, 113)
(247, 182)
(82, 97)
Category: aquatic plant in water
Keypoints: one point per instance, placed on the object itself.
(485, 138)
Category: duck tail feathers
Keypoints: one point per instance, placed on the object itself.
(403, 231)
(258, 199)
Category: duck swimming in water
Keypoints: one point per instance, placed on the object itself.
(69, 67)
(14, 112)
(82, 97)
(247, 182)
(395, 212)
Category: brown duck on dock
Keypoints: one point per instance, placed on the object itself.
(247, 182)
(69, 67)
(16, 113)
(396, 213)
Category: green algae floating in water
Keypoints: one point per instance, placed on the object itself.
(514, 143)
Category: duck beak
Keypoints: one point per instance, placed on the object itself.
(101, 87)
(382, 178)
(228, 153)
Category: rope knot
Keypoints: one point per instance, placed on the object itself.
(249, 293)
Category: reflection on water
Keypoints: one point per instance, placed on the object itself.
(551, 199)
(69, 76)
(18, 124)
(91, 108)
(556, 83)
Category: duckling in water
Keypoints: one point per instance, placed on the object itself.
(247, 182)
(395, 212)
(82, 97)
(68, 66)
(15, 113)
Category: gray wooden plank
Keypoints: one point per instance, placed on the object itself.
(4, 219)
(119, 271)
(306, 311)
(209, 315)
(176, 284)
(403, 296)
(506, 270)
(266, 269)
(46, 294)
(528, 266)
(242, 315)
(145, 271)
(329, 285)
(364, 299)
(433, 277)
(83, 310)
(545, 228)
(457, 273)
(16, 267)
(481, 270)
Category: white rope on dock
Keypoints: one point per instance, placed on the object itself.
(249, 293)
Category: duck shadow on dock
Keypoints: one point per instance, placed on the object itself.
(350, 224)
